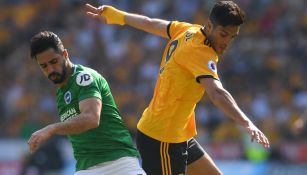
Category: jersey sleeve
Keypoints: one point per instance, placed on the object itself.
(88, 86)
(174, 28)
(200, 64)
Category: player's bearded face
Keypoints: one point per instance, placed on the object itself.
(53, 65)
(58, 77)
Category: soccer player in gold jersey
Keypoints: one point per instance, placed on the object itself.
(188, 69)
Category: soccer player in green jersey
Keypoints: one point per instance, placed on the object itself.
(89, 116)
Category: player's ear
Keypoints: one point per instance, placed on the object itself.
(65, 53)
(209, 26)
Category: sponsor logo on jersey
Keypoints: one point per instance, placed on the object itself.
(212, 66)
(68, 114)
(67, 97)
(84, 79)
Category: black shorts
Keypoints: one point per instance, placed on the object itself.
(161, 158)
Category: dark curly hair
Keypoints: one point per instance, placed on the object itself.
(43, 41)
(226, 13)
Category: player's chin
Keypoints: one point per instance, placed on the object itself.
(219, 51)
(57, 81)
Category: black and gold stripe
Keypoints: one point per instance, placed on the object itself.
(165, 159)
(168, 28)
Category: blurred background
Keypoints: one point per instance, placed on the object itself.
(264, 69)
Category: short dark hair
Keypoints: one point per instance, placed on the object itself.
(43, 41)
(226, 13)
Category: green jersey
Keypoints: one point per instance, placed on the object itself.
(111, 140)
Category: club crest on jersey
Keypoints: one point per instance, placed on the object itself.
(67, 97)
(84, 79)
(212, 66)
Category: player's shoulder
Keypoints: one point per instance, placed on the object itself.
(193, 33)
(199, 49)
(180, 24)
(84, 76)
(201, 41)
(176, 28)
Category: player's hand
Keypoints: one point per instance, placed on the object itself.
(95, 12)
(257, 135)
(106, 14)
(38, 137)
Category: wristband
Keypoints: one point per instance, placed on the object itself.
(113, 15)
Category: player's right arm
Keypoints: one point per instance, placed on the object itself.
(111, 15)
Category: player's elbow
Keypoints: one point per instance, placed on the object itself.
(96, 121)
(93, 122)
(216, 94)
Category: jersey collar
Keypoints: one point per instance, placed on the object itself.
(74, 68)
(206, 42)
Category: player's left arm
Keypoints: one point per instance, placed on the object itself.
(226, 103)
(88, 118)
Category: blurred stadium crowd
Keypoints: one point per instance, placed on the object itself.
(265, 68)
